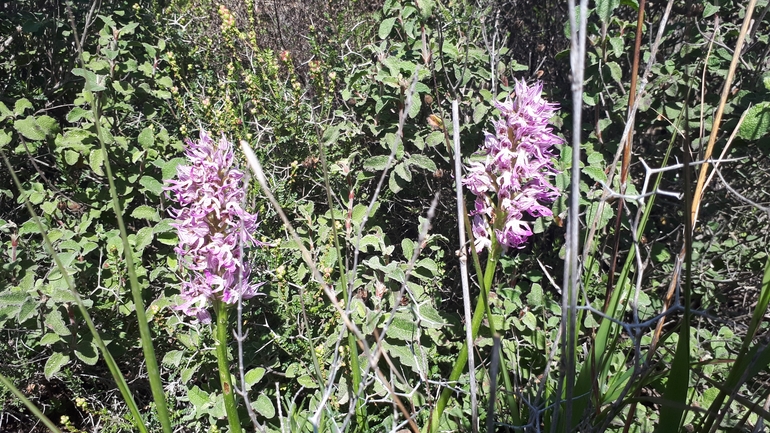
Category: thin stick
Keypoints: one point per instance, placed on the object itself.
(699, 188)
(571, 270)
(626, 154)
(464, 265)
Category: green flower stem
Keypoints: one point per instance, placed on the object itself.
(224, 367)
(462, 358)
(512, 406)
(492, 329)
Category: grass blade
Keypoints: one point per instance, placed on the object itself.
(111, 364)
(31, 406)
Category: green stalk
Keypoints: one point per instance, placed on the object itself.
(462, 357)
(120, 381)
(224, 367)
(512, 406)
(506, 376)
(593, 373)
(144, 329)
(31, 406)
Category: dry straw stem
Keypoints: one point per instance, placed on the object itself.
(627, 130)
(702, 181)
(700, 187)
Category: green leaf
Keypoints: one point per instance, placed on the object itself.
(412, 357)
(55, 362)
(173, 358)
(50, 338)
(93, 82)
(605, 8)
(423, 161)
(145, 212)
(595, 173)
(143, 238)
(529, 320)
(21, 106)
(403, 328)
(78, 113)
(199, 398)
(394, 185)
(709, 9)
(331, 135)
(29, 128)
(78, 139)
(96, 160)
(430, 317)
(376, 163)
(435, 138)
(151, 184)
(166, 82)
(429, 264)
(414, 109)
(253, 376)
(5, 138)
(307, 381)
(87, 352)
(369, 241)
(604, 217)
(535, 297)
(146, 138)
(4, 112)
(28, 310)
(479, 112)
(71, 157)
(615, 72)
(13, 298)
(756, 124)
(169, 168)
(617, 45)
(48, 207)
(385, 27)
(264, 406)
(358, 213)
(54, 322)
(47, 124)
(407, 246)
(660, 253)
(403, 171)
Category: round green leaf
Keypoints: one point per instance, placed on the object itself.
(385, 27)
(756, 124)
(96, 160)
(55, 362)
(253, 376)
(264, 406)
(29, 128)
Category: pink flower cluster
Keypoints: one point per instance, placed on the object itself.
(212, 227)
(516, 170)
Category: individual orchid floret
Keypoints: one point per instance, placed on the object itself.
(514, 179)
(213, 227)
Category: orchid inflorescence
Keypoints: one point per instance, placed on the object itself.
(516, 170)
(212, 226)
